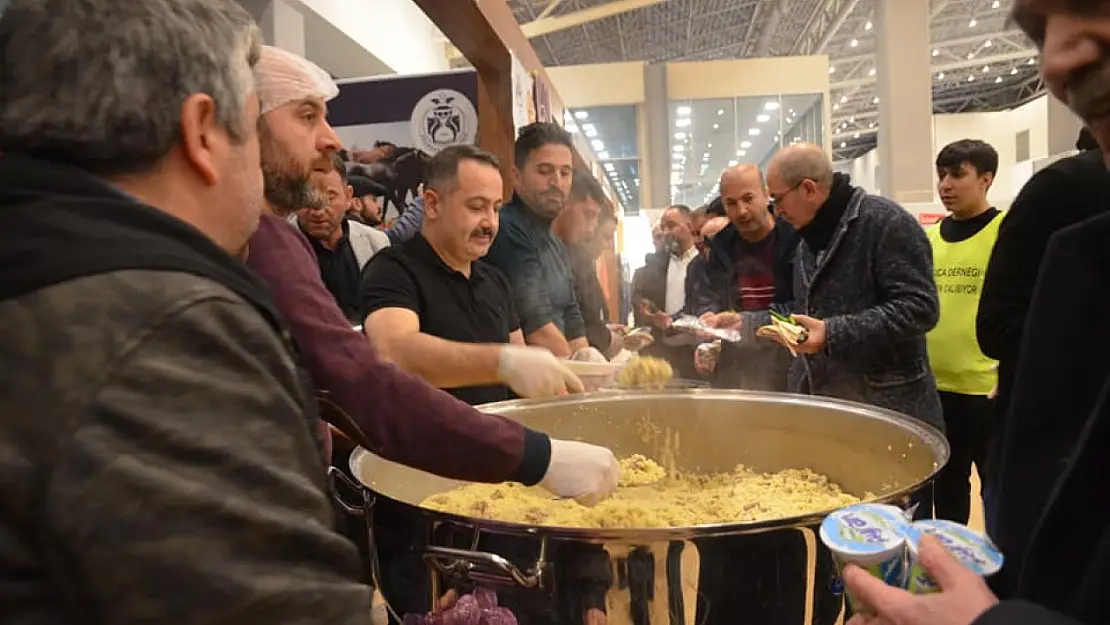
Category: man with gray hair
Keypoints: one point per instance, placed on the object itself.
(863, 288)
(159, 455)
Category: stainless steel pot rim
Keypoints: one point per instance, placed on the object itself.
(926, 432)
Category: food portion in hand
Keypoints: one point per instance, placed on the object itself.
(636, 339)
(693, 325)
(645, 372)
(676, 500)
(478, 608)
(706, 356)
(639, 470)
(784, 330)
(973, 549)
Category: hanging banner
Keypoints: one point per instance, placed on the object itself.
(392, 125)
(524, 103)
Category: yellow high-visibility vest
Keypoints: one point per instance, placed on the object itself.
(959, 268)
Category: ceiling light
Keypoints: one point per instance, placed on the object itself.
(741, 152)
(1031, 61)
(855, 136)
(940, 76)
(682, 123)
(590, 130)
(843, 144)
(678, 148)
(762, 118)
(971, 78)
(970, 55)
(843, 99)
(572, 127)
(581, 114)
(1013, 72)
(597, 145)
(987, 43)
(972, 23)
(994, 5)
(871, 72)
(871, 125)
(705, 156)
(836, 107)
(772, 106)
(720, 112)
(680, 135)
(716, 126)
(745, 145)
(603, 155)
(609, 167)
(854, 43)
(986, 68)
(753, 132)
(875, 100)
(682, 111)
(998, 80)
(832, 69)
(708, 145)
(936, 52)
(867, 26)
(733, 163)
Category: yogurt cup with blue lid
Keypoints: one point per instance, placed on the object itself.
(870, 536)
(973, 549)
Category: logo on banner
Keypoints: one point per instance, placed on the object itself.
(444, 117)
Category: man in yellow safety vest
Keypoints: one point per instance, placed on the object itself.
(962, 244)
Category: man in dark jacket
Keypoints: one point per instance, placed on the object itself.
(161, 462)
(1066, 192)
(863, 287)
(748, 271)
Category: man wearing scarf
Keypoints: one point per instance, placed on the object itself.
(863, 287)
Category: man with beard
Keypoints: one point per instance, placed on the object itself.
(366, 200)
(1059, 414)
(530, 255)
(396, 415)
(435, 309)
(160, 462)
(342, 247)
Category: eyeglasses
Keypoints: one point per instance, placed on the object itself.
(776, 198)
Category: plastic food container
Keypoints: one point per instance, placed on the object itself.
(872, 537)
(970, 547)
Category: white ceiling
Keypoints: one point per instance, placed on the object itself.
(967, 36)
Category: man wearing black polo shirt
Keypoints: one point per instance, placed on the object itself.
(434, 309)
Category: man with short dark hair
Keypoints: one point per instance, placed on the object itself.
(530, 254)
(962, 244)
(342, 246)
(435, 309)
(366, 200)
(577, 227)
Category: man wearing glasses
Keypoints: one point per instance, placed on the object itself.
(863, 288)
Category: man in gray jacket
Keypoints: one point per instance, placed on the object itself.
(863, 287)
(158, 446)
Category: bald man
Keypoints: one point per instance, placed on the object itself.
(747, 273)
(864, 288)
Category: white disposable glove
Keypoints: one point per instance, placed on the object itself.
(584, 472)
(535, 372)
(589, 354)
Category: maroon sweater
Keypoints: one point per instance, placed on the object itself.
(405, 419)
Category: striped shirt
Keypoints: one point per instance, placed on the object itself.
(755, 272)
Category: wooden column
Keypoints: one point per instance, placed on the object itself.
(464, 24)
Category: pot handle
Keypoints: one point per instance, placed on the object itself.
(481, 567)
(337, 477)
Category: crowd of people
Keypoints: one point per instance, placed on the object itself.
(202, 311)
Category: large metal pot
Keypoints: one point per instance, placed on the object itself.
(760, 573)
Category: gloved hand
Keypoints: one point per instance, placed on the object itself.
(589, 354)
(535, 372)
(585, 472)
